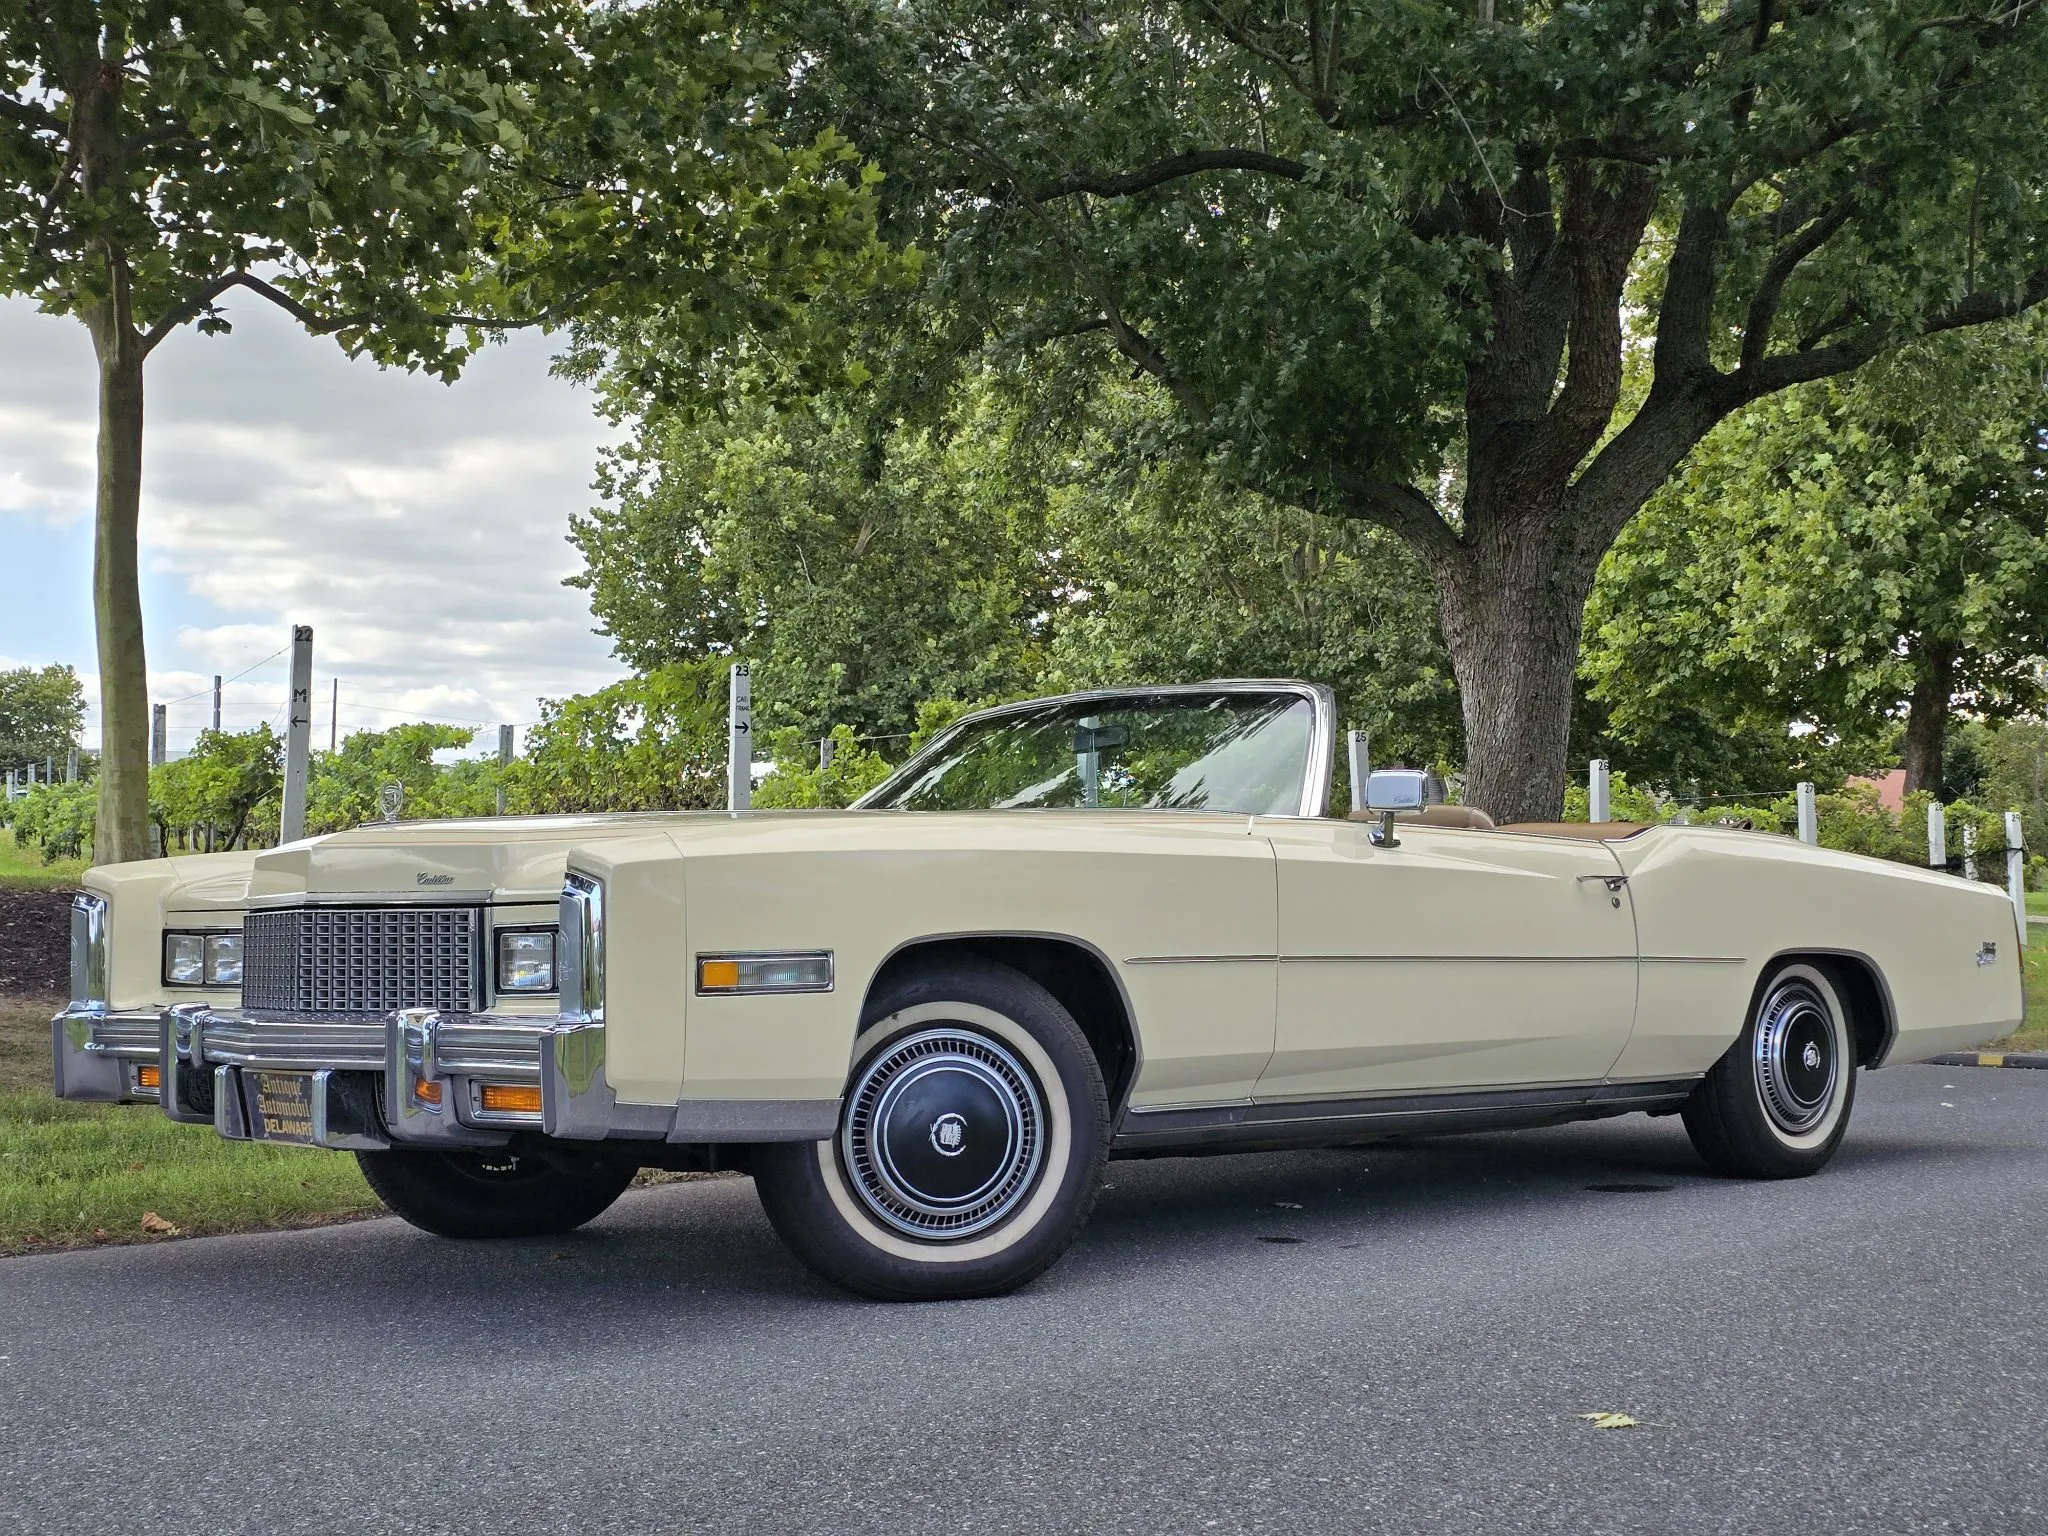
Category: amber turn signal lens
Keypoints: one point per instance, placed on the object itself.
(427, 1092)
(149, 1077)
(718, 975)
(512, 1097)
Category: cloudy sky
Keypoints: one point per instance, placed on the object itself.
(417, 527)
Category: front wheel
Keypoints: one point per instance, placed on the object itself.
(491, 1194)
(1776, 1105)
(970, 1144)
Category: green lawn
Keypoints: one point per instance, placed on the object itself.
(2037, 903)
(73, 1174)
(23, 868)
(2033, 1035)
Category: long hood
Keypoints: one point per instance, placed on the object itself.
(511, 857)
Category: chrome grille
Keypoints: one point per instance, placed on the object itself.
(343, 960)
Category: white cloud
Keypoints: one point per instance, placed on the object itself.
(418, 528)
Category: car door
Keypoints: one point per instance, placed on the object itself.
(1456, 959)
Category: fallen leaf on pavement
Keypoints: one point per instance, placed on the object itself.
(1611, 1421)
(151, 1222)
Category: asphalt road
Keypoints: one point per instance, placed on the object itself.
(1378, 1340)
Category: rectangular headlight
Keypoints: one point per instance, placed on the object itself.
(185, 959)
(201, 959)
(224, 959)
(799, 970)
(526, 959)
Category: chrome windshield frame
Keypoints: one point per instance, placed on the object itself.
(1322, 748)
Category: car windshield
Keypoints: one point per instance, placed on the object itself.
(1246, 753)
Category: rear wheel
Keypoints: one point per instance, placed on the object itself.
(970, 1143)
(491, 1194)
(1776, 1105)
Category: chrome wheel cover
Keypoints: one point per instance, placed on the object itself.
(944, 1133)
(1797, 1057)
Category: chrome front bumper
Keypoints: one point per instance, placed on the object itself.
(412, 1078)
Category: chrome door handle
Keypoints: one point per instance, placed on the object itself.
(1614, 883)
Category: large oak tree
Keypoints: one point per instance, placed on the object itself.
(404, 175)
(1387, 259)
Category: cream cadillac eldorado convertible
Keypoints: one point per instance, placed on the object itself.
(1112, 923)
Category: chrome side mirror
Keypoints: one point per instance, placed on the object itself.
(1389, 790)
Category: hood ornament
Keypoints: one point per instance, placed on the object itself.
(391, 796)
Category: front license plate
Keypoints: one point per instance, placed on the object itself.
(280, 1105)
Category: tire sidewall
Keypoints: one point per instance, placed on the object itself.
(1819, 1142)
(809, 1195)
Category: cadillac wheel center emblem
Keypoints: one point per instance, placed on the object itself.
(949, 1135)
(1811, 1056)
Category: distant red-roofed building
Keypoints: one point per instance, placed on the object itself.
(1891, 788)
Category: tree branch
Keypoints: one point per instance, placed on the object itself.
(1323, 104)
(1770, 288)
(202, 298)
(1401, 508)
(29, 115)
(1685, 319)
(1174, 168)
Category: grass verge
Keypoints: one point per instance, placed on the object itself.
(78, 1174)
(23, 869)
(2033, 1035)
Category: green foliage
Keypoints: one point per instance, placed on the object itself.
(1379, 262)
(221, 783)
(347, 786)
(800, 784)
(998, 546)
(653, 743)
(57, 818)
(41, 715)
(859, 569)
(1823, 553)
(396, 166)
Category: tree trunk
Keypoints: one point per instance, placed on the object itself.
(1513, 603)
(123, 827)
(1927, 717)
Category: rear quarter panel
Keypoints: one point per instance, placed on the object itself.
(1715, 907)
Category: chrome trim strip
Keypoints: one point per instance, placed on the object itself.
(1694, 960)
(1381, 959)
(88, 951)
(728, 1120)
(1457, 959)
(506, 1047)
(1322, 748)
(1425, 1113)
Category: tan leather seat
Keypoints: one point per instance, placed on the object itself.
(1588, 831)
(1469, 817)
